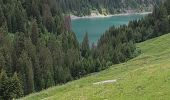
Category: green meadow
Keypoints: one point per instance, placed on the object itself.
(146, 77)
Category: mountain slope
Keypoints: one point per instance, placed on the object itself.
(146, 77)
(84, 7)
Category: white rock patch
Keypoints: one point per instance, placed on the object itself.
(103, 82)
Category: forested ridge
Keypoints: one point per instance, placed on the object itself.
(85, 7)
(37, 51)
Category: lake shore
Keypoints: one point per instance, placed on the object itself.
(97, 15)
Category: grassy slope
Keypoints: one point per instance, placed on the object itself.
(146, 77)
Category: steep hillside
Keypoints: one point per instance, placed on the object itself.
(146, 77)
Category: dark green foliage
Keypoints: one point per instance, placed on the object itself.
(47, 18)
(10, 87)
(46, 65)
(2, 61)
(34, 32)
(6, 54)
(2, 17)
(85, 49)
(116, 45)
(17, 86)
(26, 72)
(167, 5)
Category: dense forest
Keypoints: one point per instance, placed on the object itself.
(37, 51)
(117, 44)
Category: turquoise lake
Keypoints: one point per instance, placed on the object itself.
(95, 27)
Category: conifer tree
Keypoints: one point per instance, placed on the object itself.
(10, 87)
(16, 86)
(46, 64)
(85, 46)
(26, 72)
(2, 17)
(167, 5)
(2, 61)
(3, 85)
(34, 32)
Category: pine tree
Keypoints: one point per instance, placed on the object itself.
(26, 72)
(46, 64)
(6, 50)
(34, 32)
(18, 17)
(3, 86)
(34, 9)
(2, 17)
(57, 55)
(85, 46)
(2, 61)
(47, 17)
(18, 48)
(27, 6)
(10, 87)
(16, 86)
(2, 36)
(167, 5)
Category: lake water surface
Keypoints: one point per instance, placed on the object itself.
(95, 27)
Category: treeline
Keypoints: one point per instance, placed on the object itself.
(118, 44)
(84, 7)
(37, 51)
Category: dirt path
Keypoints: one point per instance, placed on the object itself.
(106, 81)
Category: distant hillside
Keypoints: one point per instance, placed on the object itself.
(84, 7)
(146, 77)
